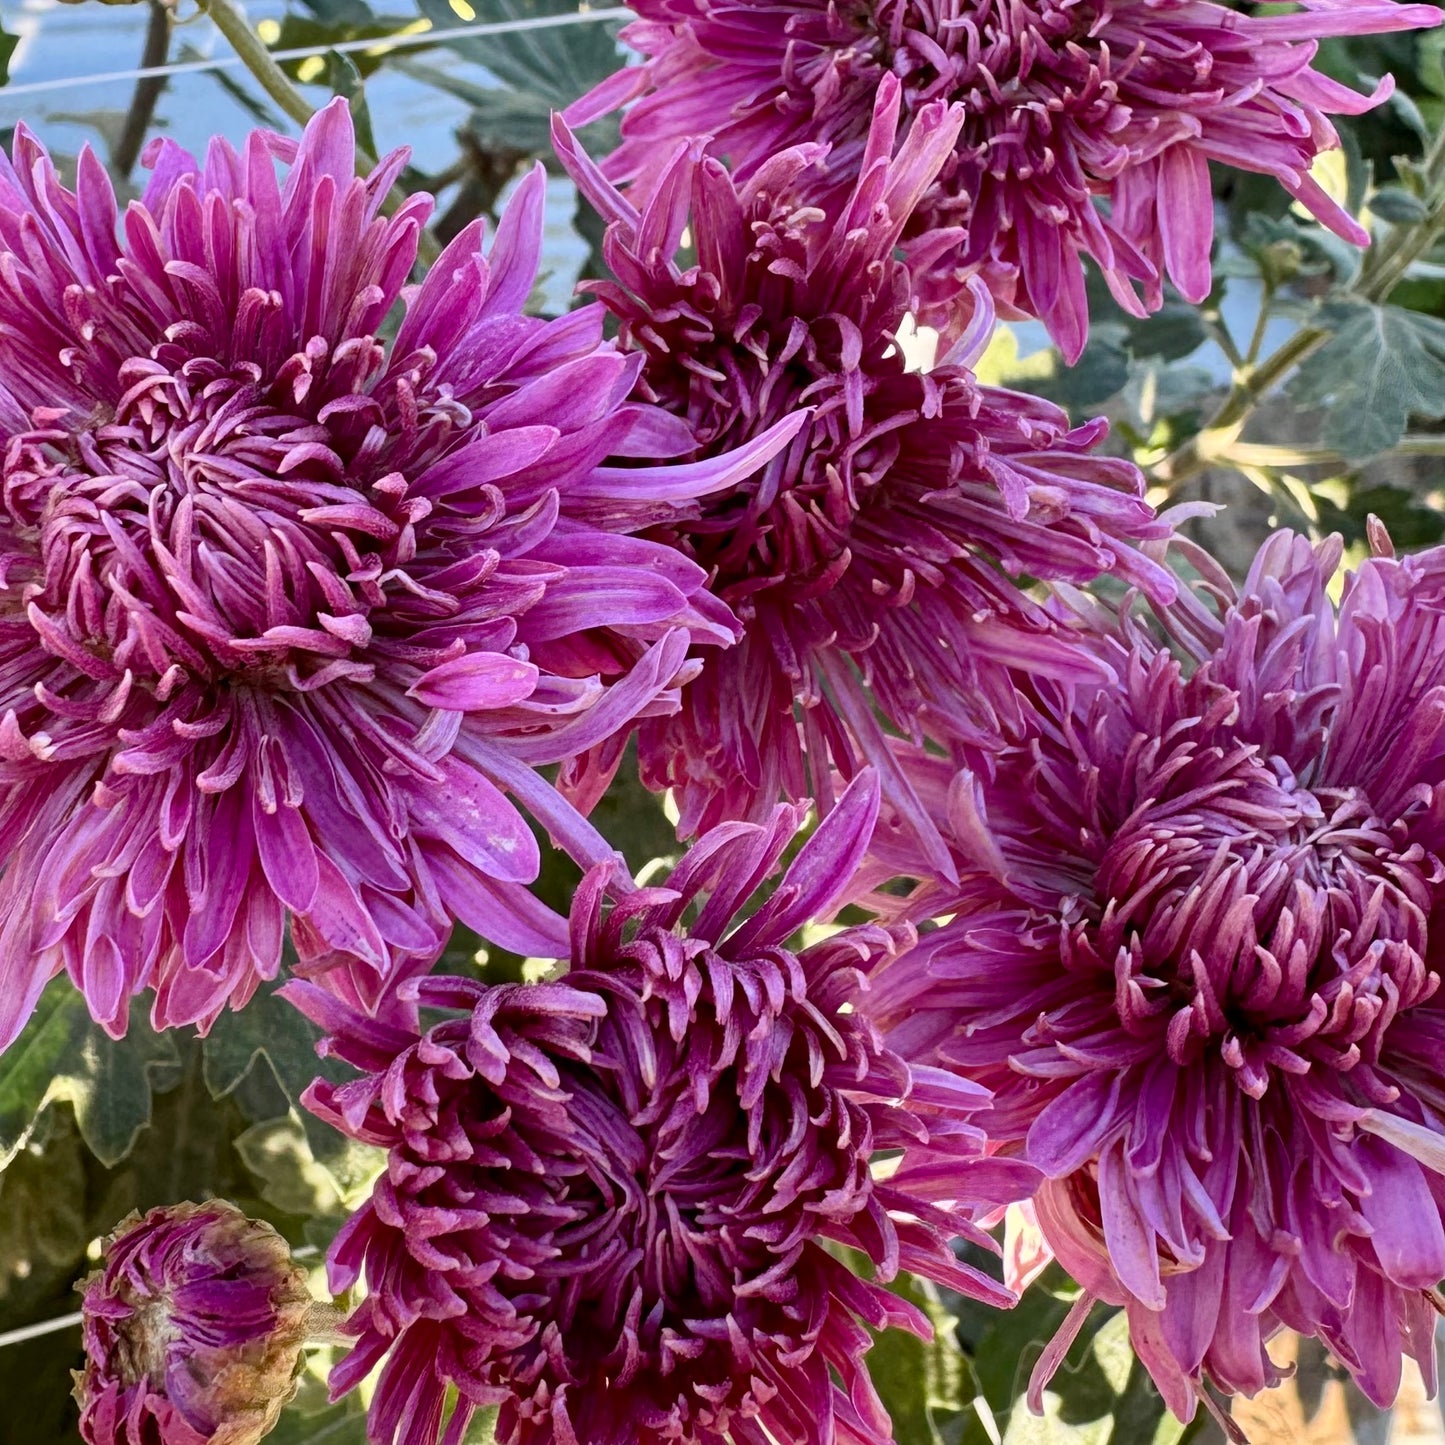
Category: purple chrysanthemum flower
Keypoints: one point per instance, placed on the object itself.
(607, 1198)
(1069, 103)
(193, 1330)
(1194, 954)
(283, 606)
(883, 545)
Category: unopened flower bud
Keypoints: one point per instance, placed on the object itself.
(194, 1326)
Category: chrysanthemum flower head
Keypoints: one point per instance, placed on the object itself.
(193, 1325)
(1195, 954)
(284, 607)
(1068, 103)
(608, 1199)
(885, 543)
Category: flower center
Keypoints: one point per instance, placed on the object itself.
(1241, 911)
(1022, 70)
(142, 1339)
(214, 526)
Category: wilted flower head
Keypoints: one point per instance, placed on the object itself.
(193, 1330)
(883, 544)
(1068, 102)
(607, 1198)
(282, 605)
(1195, 955)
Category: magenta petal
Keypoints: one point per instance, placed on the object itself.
(473, 817)
(476, 682)
(287, 854)
(1186, 220)
(505, 914)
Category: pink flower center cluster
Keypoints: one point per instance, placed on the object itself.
(221, 525)
(641, 1193)
(1239, 913)
(1027, 72)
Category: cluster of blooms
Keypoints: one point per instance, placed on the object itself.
(1066, 102)
(296, 613)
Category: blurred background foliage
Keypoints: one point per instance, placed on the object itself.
(1308, 390)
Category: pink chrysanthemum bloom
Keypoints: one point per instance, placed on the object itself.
(883, 546)
(283, 606)
(1069, 103)
(607, 1198)
(193, 1330)
(1194, 954)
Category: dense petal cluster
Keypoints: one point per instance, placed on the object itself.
(283, 605)
(1195, 954)
(193, 1330)
(607, 1198)
(1068, 103)
(883, 546)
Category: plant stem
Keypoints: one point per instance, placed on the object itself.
(1261, 325)
(230, 20)
(147, 90)
(1263, 455)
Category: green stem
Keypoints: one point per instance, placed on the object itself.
(230, 20)
(1263, 455)
(147, 90)
(1261, 325)
(1219, 333)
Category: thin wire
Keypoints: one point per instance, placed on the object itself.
(378, 45)
(65, 1322)
(45, 1327)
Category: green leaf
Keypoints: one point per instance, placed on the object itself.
(268, 1029)
(276, 1152)
(110, 1083)
(1411, 522)
(298, 32)
(1100, 373)
(1398, 206)
(8, 42)
(1171, 333)
(309, 1420)
(29, 1065)
(1381, 366)
(925, 1385)
(270, 1032)
(559, 64)
(62, 1055)
(1099, 1395)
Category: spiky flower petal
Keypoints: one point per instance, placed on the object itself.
(1068, 103)
(1195, 954)
(607, 1198)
